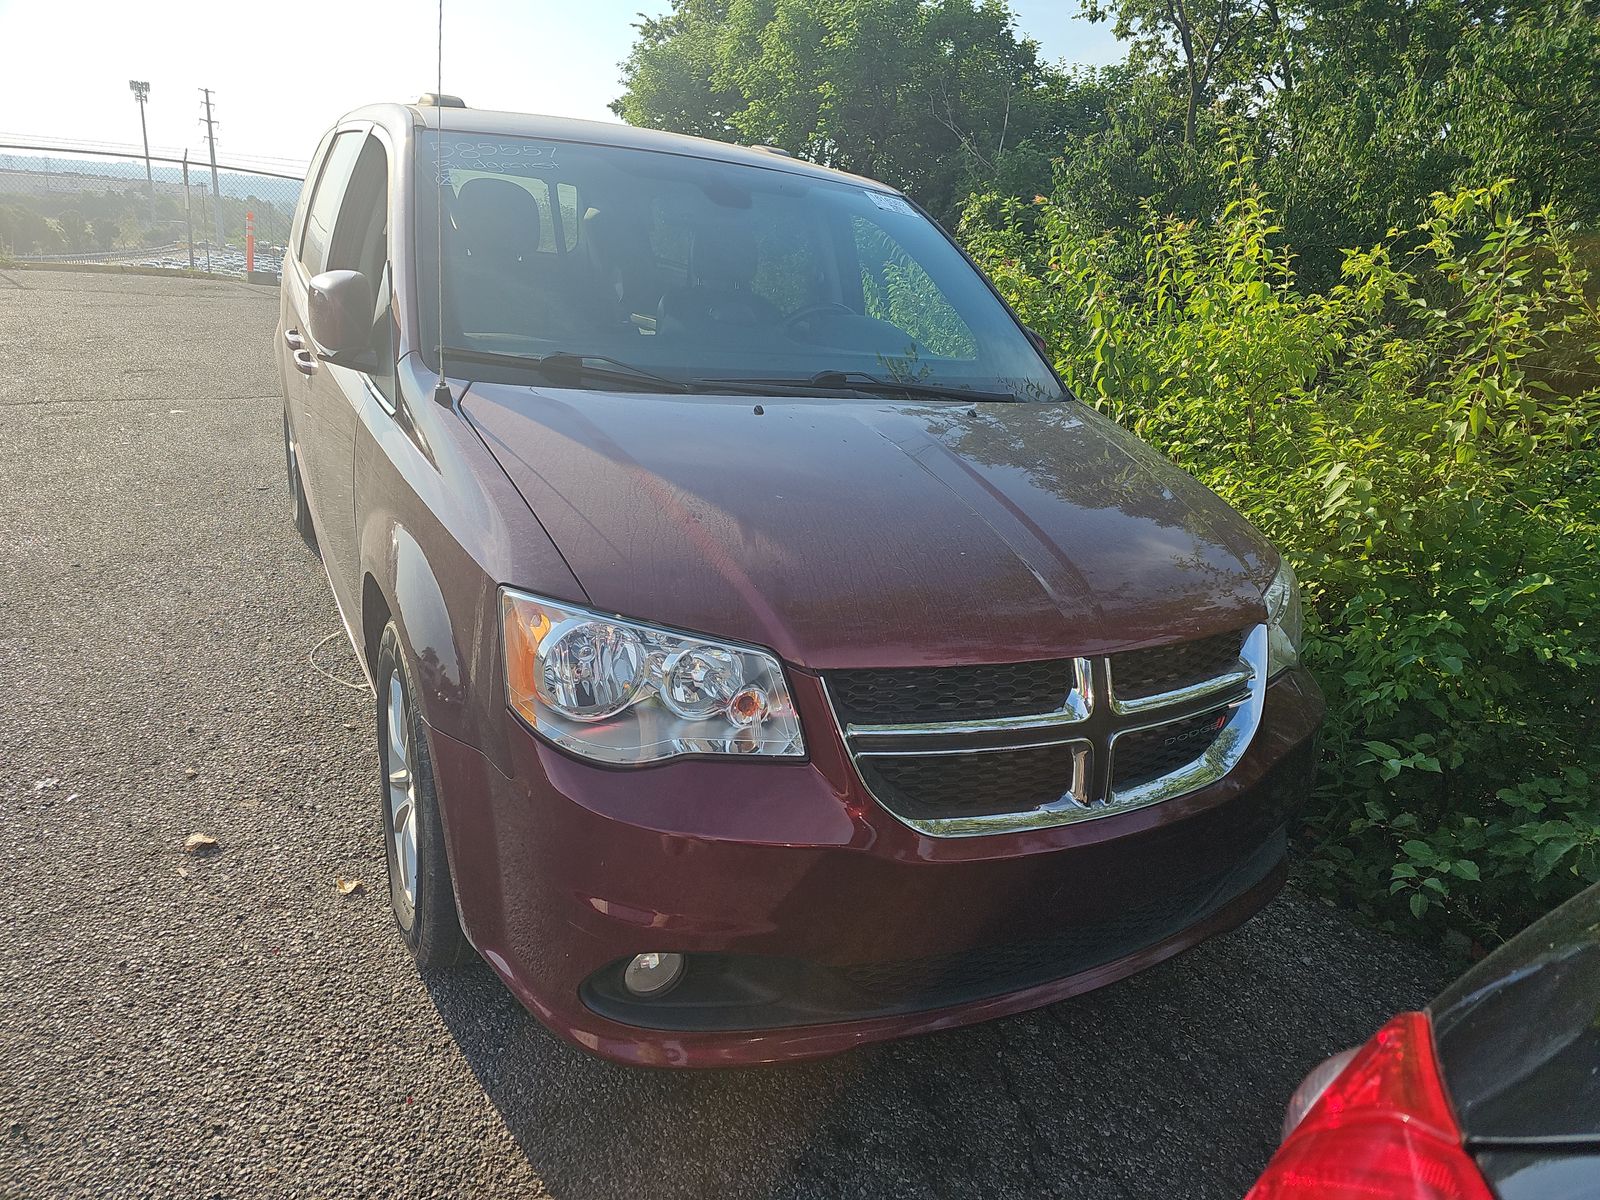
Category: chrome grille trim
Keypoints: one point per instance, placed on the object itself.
(1225, 750)
(1093, 729)
(1230, 682)
(939, 753)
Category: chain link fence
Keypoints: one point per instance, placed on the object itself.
(59, 204)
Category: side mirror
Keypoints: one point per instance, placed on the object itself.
(1039, 344)
(340, 316)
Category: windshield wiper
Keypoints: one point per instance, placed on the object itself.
(861, 381)
(563, 364)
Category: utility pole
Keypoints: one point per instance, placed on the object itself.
(216, 188)
(141, 92)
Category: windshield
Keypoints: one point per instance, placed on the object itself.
(698, 270)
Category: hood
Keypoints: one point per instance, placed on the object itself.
(860, 532)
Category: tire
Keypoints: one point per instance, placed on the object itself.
(297, 493)
(420, 893)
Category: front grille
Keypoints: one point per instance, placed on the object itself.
(923, 695)
(932, 787)
(1145, 754)
(940, 748)
(1136, 674)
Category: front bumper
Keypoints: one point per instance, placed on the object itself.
(814, 920)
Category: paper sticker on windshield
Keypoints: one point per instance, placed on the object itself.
(519, 157)
(894, 204)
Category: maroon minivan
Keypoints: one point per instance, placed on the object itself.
(771, 655)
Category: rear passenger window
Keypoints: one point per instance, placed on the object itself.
(540, 191)
(325, 201)
(669, 243)
(557, 207)
(897, 289)
(567, 204)
(789, 263)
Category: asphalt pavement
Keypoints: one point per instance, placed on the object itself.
(236, 1025)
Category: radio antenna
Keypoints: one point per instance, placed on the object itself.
(441, 390)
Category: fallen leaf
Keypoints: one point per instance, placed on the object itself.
(349, 724)
(190, 772)
(45, 784)
(199, 843)
(348, 886)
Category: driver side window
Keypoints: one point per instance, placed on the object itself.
(324, 206)
(360, 242)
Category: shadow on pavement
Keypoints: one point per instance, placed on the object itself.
(1170, 1084)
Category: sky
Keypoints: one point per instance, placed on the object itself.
(282, 71)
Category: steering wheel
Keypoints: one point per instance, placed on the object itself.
(820, 309)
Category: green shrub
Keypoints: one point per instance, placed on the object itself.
(1420, 440)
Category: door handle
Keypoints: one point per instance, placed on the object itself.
(293, 339)
(305, 362)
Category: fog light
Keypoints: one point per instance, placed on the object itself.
(651, 975)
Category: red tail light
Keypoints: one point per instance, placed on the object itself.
(1382, 1131)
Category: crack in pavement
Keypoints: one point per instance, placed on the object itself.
(1038, 1145)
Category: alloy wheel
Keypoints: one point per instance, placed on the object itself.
(402, 823)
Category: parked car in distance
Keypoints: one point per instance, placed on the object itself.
(1491, 1092)
(771, 656)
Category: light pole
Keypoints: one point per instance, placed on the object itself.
(141, 92)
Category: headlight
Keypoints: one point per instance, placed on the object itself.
(617, 691)
(1283, 620)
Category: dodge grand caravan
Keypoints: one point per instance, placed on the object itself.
(771, 656)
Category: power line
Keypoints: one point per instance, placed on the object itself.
(268, 163)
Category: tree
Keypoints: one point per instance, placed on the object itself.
(1397, 99)
(24, 231)
(74, 230)
(935, 96)
(1219, 45)
(1355, 112)
(1140, 156)
(669, 73)
(1524, 89)
(105, 232)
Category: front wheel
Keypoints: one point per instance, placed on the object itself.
(420, 894)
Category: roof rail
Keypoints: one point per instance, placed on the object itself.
(778, 150)
(440, 100)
